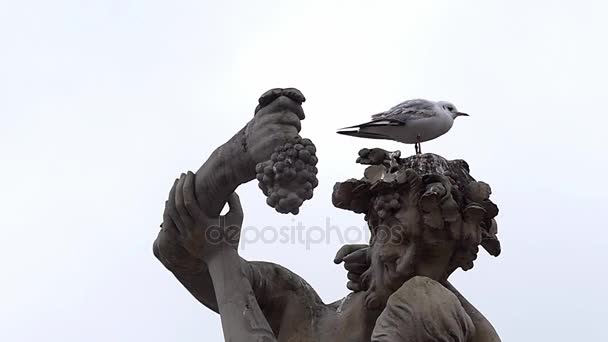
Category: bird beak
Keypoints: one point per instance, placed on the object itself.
(461, 114)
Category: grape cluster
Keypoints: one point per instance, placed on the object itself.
(387, 203)
(289, 177)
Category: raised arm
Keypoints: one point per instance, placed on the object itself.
(276, 120)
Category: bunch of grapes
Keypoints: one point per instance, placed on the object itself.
(289, 177)
(386, 204)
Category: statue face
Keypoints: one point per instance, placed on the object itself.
(404, 247)
(391, 265)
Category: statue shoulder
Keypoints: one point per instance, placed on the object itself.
(423, 310)
(270, 280)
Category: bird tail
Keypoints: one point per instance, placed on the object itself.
(361, 134)
(376, 123)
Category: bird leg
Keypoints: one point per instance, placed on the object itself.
(417, 145)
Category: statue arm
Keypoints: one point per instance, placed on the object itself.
(274, 288)
(254, 300)
(191, 272)
(268, 281)
(241, 315)
(224, 282)
(242, 318)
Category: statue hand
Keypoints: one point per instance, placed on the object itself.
(197, 233)
(171, 254)
(356, 262)
(277, 120)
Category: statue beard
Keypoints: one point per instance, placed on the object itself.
(382, 279)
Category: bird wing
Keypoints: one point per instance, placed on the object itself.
(407, 111)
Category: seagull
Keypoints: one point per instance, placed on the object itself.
(410, 122)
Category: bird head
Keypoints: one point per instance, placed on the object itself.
(451, 109)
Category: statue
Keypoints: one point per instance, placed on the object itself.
(427, 216)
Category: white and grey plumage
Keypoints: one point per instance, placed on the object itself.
(410, 122)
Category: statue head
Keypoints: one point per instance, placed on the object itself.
(427, 217)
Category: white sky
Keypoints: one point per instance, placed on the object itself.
(103, 103)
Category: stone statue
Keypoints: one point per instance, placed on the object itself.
(427, 216)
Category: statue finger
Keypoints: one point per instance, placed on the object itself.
(275, 101)
(189, 196)
(179, 201)
(289, 121)
(170, 203)
(354, 286)
(358, 256)
(268, 97)
(346, 250)
(295, 95)
(354, 276)
(234, 216)
(168, 226)
(170, 210)
(355, 267)
(179, 224)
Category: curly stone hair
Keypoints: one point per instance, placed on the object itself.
(450, 203)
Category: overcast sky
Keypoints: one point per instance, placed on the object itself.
(104, 103)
